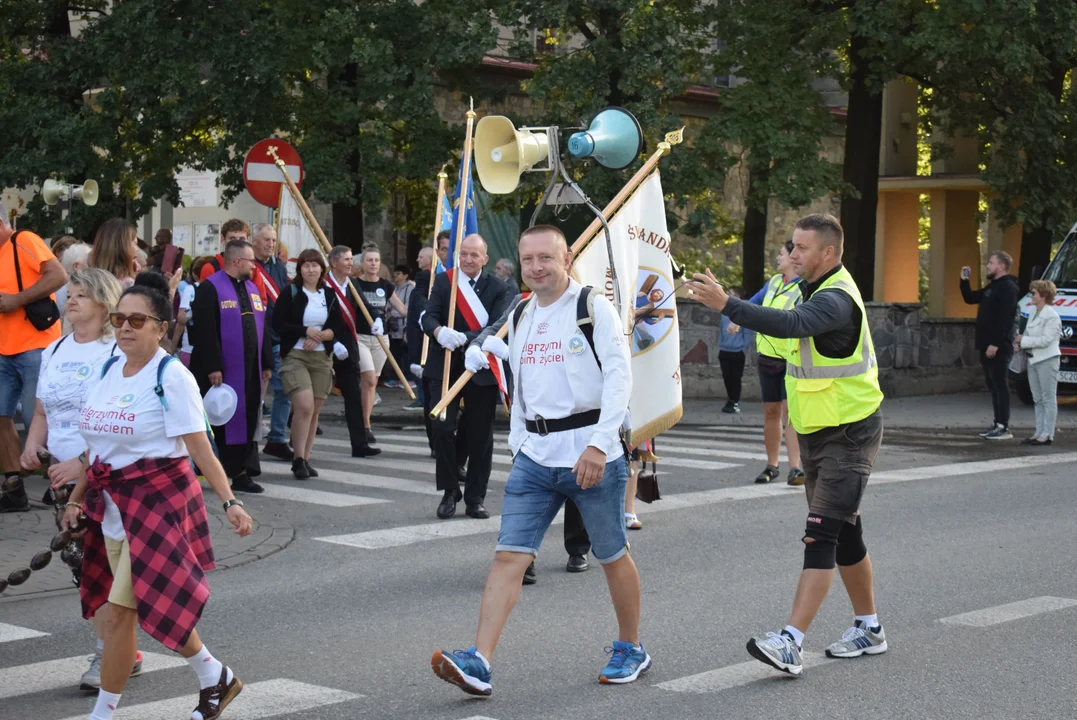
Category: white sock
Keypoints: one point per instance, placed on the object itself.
(869, 621)
(106, 704)
(100, 646)
(484, 660)
(208, 668)
(798, 636)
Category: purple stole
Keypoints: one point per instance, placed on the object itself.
(236, 431)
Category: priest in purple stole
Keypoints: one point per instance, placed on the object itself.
(232, 346)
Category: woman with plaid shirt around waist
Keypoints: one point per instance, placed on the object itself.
(147, 546)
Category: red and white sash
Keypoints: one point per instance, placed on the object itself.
(345, 306)
(468, 303)
(271, 287)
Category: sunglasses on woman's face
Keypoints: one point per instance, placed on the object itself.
(136, 320)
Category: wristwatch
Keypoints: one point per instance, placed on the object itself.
(232, 502)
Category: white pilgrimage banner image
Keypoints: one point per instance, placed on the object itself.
(641, 248)
(293, 231)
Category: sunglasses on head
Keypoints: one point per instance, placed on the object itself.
(135, 320)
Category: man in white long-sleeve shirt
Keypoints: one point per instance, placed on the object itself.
(570, 403)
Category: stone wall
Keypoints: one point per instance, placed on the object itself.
(917, 355)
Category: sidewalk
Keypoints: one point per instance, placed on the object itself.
(967, 411)
(23, 535)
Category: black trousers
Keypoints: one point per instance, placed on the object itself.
(481, 403)
(576, 540)
(732, 373)
(237, 459)
(348, 379)
(997, 375)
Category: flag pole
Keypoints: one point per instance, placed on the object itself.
(465, 179)
(442, 177)
(326, 247)
(664, 148)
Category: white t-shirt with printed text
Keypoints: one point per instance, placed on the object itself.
(544, 381)
(69, 370)
(124, 421)
(315, 314)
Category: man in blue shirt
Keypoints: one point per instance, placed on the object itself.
(275, 276)
(732, 348)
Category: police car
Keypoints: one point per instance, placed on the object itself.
(1062, 271)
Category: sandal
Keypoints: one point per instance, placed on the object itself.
(632, 522)
(770, 473)
(213, 700)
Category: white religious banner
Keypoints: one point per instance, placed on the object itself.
(641, 251)
(293, 232)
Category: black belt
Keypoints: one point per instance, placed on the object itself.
(544, 427)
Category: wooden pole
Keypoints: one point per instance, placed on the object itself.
(664, 147)
(442, 177)
(326, 247)
(465, 179)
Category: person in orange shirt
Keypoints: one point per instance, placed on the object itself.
(234, 229)
(39, 275)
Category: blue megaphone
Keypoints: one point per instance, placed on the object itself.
(614, 139)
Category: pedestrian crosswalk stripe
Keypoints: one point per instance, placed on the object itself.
(266, 699)
(59, 674)
(356, 479)
(9, 633)
(1010, 611)
(317, 497)
(732, 676)
(410, 465)
(1021, 462)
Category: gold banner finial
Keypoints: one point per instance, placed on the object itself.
(676, 137)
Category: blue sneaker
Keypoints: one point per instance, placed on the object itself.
(464, 669)
(627, 662)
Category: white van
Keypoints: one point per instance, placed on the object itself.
(1062, 271)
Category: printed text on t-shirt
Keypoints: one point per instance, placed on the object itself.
(542, 353)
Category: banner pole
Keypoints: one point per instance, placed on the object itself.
(442, 177)
(465, 179)
(326, 247)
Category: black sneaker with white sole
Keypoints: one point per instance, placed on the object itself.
(999, 433)
(990, 430)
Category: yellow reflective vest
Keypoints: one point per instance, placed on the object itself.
(784, 296)
(826, 392)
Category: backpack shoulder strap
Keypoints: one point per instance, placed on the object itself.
(109, 363)
(518, 313)
(585, 318)
(295, 290)
(57, 346)
(159, 389)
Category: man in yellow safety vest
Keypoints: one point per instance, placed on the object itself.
(832, 382)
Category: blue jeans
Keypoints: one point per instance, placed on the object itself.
(18, 380)
(282, 404)
(534, 494)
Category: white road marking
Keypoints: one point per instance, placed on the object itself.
(1010, 611)
(317, 497)
(407, 535)
(357, 479)
(732, 676)
(61, 674)
(971, 468)
(9, 633)
(411, 465)
(258, 700)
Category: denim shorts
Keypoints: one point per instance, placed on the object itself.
(534, 494)
(18, 380)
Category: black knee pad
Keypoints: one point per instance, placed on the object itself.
(851, 548)
(821, 542)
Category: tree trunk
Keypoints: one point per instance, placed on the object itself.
(862, 137)
(415, 241)
(754, 242)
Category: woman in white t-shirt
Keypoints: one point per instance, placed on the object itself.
(147, 544)
(70, 367)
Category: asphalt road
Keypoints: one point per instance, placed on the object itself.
(341, 624)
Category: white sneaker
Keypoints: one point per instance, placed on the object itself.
(91, 679)
(859, 640)
(777, 650)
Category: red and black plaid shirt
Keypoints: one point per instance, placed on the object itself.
(164, 516)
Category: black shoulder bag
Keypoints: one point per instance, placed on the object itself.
(42, 313)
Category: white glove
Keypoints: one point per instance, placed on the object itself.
(377, 328)
(497, 346)
(340, 351)
(417, 370)
(451, 339)
(475, 359)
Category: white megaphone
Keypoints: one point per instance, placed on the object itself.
(87, 192)
(614, 139)
(503, 153)
(53, 191)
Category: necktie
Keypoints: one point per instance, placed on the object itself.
(472, 281)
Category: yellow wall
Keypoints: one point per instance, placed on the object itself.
(897, 253)
(953, 245)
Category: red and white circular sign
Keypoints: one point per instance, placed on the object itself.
(261, 175)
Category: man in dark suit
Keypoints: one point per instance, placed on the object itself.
(480, 395)
(347, 369)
